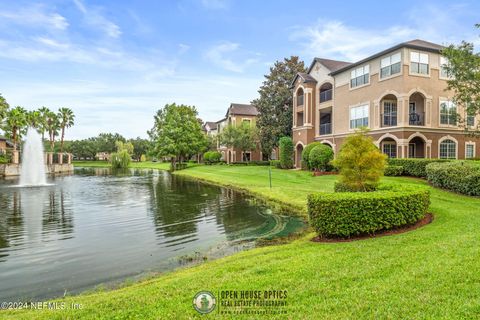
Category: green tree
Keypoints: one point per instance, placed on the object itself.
(177, 133)
(320, 157)
(66, 120)
(121, 159)
(15, 124)
(106, 142)
(243, 137)
(52, 126)
(286, 152)
(4, 106)
(306, 153)
(360, 162)
(140, 147)
(44, 111)
(463, 69)
(275, 104)
(34, 119)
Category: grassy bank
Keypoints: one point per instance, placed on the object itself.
(431, 272)
(135, 165)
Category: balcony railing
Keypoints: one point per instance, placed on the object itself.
(389, 119)
(300, 100)
(416, 118)
(326, 95)
(325, 128)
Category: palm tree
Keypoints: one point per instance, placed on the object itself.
(3, 108)
(34, 119)
(43, 121)
(16, 121)
(67, 119)
(52, 125)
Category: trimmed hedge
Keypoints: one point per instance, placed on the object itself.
(343, 187)
(276, 163)
(210, 157)
(250, 163)
(306, 154)
(458, 176)
(286, 152)
(393, 171)
(414, 167)
(349, 214)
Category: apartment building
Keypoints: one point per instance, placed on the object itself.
(236, 114)
(399, 94)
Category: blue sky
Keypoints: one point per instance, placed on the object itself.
(116, 62)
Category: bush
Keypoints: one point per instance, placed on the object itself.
(306, 154)
(458, 176)
(357, 213)
(320, 157)
(414, 167)
(360, 162)
(210, 157)
(120, 160)
(285, 145)
(259, 163)
(393, 171)
(276, 164)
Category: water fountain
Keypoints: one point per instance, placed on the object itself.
(33, 163)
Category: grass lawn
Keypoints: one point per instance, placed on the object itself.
(432, 272)
(136, 165)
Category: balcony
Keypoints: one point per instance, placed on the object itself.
(416, 118)
(299, 100)
(326, 95)
(325, 128)
(389, 119)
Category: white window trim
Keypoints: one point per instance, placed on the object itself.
(410, 65)
(448, 138)
(440, 124)
(392, 75)
(356, 106)
(363, 85)
(474, 148)
(440, 68)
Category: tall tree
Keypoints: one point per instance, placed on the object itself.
(243, 137)
(275, 103)
(463, 69)
(106, 142)
(66, 120)
(15, 124)
(34, 119)
(177, 133)
(52, 126)
(140, 147)
(4, 106)
(44, 111)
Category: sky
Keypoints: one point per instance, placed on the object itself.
(116, 62)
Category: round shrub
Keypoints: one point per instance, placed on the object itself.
(319, 157)
(349, 214)
(393, 171)
(306, 153)
(458, 176)
(210, 157)
(285, 145)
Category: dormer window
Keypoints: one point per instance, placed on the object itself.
(390, 65)
(418, 62)
(360, 76)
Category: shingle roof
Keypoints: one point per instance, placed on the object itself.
(242, 109)
(211, 125)
(413, 44)
(331, 65)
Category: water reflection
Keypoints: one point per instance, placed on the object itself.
(96, 227)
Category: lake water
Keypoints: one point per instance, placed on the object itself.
(95, 227)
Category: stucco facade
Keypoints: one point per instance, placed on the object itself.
(404, 103)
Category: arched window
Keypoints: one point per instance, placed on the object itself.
(448, 149)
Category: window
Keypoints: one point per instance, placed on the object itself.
(246, 121)
(469, 150)
(443, 71)
(390, 149)
(448, 149)
(359, 117)
(448, 113)
(471, 120)
(360, 76)
(390, 65)
(389, 113)
(418, 62)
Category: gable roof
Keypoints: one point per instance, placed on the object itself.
(242, 109)
(413, 44)
(331, 65)
(211, 125)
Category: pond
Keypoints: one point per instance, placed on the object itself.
(95, 227)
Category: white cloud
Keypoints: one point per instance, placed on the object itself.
(94, 18)
(336, 40)
(183, 48)
(35, 16)
(236, 62)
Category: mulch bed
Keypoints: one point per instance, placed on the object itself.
(426, 220)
